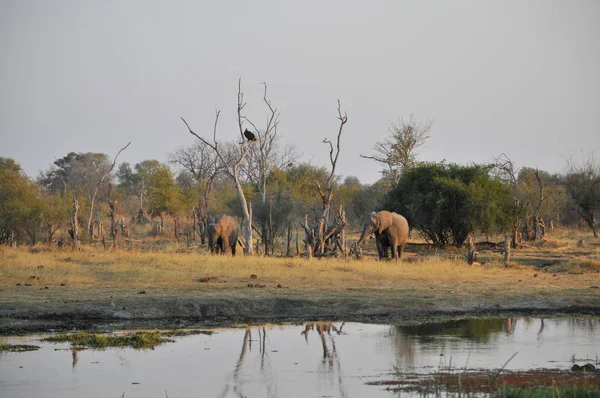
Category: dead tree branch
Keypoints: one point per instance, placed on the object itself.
(112, 166)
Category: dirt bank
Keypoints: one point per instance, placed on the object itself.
(28, 309)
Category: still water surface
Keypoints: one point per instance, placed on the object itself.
(304, 360)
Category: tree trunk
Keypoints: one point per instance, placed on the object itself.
(75, 223)
(192, 233)
(342, 217)
(592, 223)
(320, 240)
(288, 251)
(471, 252)
(247, 224)
(123, 227)
(113, 224)
(506, 250)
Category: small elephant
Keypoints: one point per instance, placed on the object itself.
(391, 231)
(223, 235)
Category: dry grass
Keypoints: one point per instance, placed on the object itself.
(123, 269)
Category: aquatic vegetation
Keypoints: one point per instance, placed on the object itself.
(98, 340)
(186, 332)
(18, 347)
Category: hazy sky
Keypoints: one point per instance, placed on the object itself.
(507, 76)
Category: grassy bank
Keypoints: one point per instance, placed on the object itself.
(557, 267)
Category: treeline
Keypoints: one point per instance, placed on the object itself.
(151, 198)
(443, 202)
(89, 197)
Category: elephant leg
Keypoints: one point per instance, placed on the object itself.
(380, 243)
(395, 253)
(379, 248)
(400, 250)
(225, 245)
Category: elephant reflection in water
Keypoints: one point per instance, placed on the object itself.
(75, 352)
(330, 357)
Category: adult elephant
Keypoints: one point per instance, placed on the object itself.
(391, 231)
(223, 235)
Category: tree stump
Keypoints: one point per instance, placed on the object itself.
(471, 254)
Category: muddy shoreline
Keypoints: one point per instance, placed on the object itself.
(129, 310)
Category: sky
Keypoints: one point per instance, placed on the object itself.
(507, 76)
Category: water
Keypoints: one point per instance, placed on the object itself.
(306, 360)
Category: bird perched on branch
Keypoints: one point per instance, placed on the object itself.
(249, 135)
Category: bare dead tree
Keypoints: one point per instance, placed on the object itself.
(202, 163)
(318, 242)
(112, 218)
(232, 168)
(538, 224)
(98, 184)
(263, 154)
(582, 181)
(505, 170)
(262, 158)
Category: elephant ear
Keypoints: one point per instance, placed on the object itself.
(384, 222)
(375, 221)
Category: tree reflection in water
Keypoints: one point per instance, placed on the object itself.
(266, 373)
(406, 338)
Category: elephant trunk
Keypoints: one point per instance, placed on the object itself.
(367, 229)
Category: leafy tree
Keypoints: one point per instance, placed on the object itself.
(139, 182)
(447, 202)
(164, 195)
(299, 183)
(56, 213)
(369, 198)
(22, 208)
(80, 171)
(86, 174)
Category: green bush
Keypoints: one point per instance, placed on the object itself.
(447, 202)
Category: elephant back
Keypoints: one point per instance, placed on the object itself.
(230, 222)
(402, 222)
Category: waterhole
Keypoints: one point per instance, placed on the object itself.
(316, 359)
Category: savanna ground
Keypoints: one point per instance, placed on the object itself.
(43, 289)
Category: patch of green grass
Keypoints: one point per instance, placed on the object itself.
(95, 340)
(18, 347)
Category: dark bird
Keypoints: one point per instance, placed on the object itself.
(249, 135)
